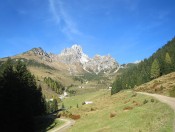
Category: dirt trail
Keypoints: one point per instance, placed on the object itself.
(68, 123)
(167, 100)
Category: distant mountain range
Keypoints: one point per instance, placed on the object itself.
(74, 59)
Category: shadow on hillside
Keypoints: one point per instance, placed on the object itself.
(44, 123)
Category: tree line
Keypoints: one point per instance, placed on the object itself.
(160, 63)
(54, 85)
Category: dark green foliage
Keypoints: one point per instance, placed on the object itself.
(51, 106)
(160, 63)
(152, 100)
(78, 79)
(145, 101)
(54, 85)
(20, 98)
(62, 106)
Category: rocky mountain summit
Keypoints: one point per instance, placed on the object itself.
(74, 55)
(74, 58)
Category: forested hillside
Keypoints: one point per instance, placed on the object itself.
(20, 98)
(160, 63)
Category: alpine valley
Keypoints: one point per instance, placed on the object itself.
(71, 68)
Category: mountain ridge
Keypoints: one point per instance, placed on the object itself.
(74, 56)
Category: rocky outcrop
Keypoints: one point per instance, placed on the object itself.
(73, 55)
(101, 64)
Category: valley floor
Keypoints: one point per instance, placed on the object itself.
(125, 111)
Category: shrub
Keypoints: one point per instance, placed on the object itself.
(134, 94)
(58, 115)
(152, 100)
(113, 114)
(93, 109)
(128, 108)
(145, 101)
(75, 117)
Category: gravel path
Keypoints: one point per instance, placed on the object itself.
(167, 100)
(68, 123)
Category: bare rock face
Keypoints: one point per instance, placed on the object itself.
(102, 64)
(74, 56)
(42, 54)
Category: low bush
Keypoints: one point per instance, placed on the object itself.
(134, 94)
(152, 100)
(145, 101)
(75, 117)
(128, 108)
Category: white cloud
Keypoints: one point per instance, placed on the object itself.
(137, 61)
(63, 19)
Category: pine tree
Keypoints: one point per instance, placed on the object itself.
(55, 104)
(155, 69)
(168, 64)
(168, 58)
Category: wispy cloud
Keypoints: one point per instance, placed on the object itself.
(63, 19)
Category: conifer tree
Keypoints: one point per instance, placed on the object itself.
(155, 69)
(168, 64)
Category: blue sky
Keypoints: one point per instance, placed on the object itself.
(128, 30)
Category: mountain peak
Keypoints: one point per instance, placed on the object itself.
(76, 46)
(75, 49)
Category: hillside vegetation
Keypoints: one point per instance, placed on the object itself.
(125, 111)
(164, 85)
(160, 63)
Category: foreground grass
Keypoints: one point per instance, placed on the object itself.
(124, 111)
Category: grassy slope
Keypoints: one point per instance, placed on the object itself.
(162, 85)
(152, 116)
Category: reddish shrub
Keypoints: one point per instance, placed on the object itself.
(128, 108)
(75, 117)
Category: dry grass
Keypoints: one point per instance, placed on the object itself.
(162, 85)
